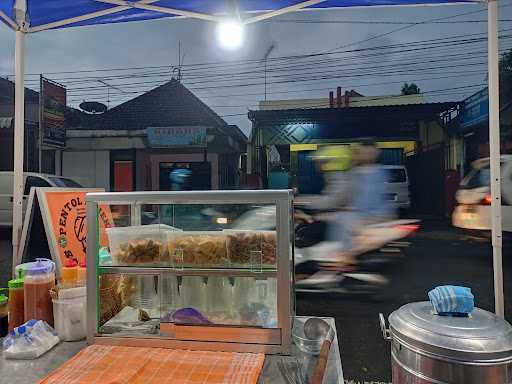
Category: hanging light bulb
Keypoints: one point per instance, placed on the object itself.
(230, 34)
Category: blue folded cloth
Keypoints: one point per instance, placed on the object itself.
(452, 300)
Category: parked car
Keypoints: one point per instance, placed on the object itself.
(397, 190)
(473, 211)
(30, 180)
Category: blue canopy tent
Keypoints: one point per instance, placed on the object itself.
(30, 16)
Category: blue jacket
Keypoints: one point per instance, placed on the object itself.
(369, 200)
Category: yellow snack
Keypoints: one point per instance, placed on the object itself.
(198, 249)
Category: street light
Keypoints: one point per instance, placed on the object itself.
(230, 34)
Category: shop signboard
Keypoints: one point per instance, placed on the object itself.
(56, 225)
(52, 113)
(475, 110)
(184, 136)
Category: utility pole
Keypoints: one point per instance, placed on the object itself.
(177, 70)
(267, 54)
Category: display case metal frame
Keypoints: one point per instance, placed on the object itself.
(216, 338)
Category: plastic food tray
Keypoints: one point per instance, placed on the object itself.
(251, 248)
(139, 245)
(198, 249)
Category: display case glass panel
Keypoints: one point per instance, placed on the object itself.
(139, 303)
(198, 236)
(196, 270)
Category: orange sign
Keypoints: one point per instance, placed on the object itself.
(69, 225)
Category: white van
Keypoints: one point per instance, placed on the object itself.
(397, 186)
(30, 180)
(473, 211)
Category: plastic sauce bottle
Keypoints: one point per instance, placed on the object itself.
(68, 275)
(81, 275)
(16, 300)
(39, 279)
(4, 311)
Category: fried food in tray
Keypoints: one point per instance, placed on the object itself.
(241, 244)
(269, 247)
(197, 248)
(137, 245)
(139, 252)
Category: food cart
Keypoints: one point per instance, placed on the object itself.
(187, 283)
(199, 286)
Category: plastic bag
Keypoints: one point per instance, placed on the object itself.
(452, 300)
(30, 340)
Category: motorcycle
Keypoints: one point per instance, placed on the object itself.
(377, 248)
(381, 246)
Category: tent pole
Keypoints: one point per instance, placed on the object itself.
(494, 147)
(19, 131)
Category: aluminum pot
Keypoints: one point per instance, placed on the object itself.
(430, 349)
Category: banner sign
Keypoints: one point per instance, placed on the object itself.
(68, 223)
(475, 110)
(53, 109)
(165, 137)
(62, 213)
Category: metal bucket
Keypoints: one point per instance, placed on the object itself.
(430, 349)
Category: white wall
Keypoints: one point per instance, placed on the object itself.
(90, 168)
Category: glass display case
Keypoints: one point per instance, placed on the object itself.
(194, 270)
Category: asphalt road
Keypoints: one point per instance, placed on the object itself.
(436, 256)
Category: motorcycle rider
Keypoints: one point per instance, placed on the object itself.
(357, 193)
(369, 205)
(335, 162)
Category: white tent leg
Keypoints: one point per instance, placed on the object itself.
(19, 131)
(494, 144)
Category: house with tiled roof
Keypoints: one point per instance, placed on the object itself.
(137, 144)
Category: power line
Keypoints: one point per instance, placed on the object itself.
(258, 61)
(380, 97)
(232, 75)
(323, 70)
(83, 91)
(378, 36)
(376, 22)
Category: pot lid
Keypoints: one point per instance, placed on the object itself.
(480, 336)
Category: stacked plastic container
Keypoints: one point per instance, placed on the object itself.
(69, 311)
(70, 302)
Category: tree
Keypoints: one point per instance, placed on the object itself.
(410, 89)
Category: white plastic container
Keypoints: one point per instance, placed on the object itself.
(69, 312)
(138, 245)
(170, 299)
(145, 296)
(193, 293)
